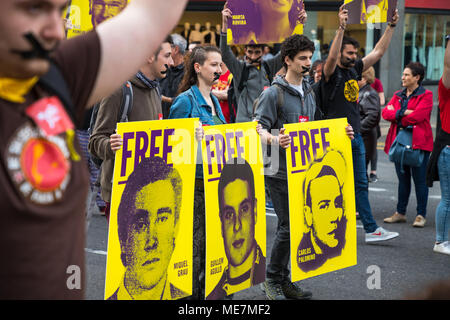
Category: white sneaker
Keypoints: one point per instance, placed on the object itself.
(443, 247)
(380, 235)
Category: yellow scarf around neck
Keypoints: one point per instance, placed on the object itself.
(14, 90)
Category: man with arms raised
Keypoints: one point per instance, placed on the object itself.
(340, 91)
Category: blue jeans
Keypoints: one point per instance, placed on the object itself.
(443, 209)
(362, 185)
(404, 186)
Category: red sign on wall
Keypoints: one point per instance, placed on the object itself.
(428, 4)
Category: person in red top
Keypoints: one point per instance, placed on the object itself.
(378, 86)
(439, 165)
(411, 108)
(220, 90)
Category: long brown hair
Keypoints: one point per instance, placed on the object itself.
(198, 55)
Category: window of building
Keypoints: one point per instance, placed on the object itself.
(424, 42)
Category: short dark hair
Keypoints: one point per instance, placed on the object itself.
(417, 69)
(255, 45)
(149, 170)
(169, 40)
(294, 44)
(349, 41)
(314, 66)
(236, 168)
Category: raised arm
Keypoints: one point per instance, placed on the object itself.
(446, 74)
(128, 39)
(233, 64)
(332, 60)
(380, 48)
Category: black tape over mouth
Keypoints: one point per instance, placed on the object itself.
(165, 71)
(255, 61)
(37, 50)
(216, 76)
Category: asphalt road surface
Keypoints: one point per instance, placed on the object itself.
(403, 266)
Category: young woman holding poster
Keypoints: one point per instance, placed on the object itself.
(268, 21)
(195, 100)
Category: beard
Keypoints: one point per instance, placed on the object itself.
(348, 63)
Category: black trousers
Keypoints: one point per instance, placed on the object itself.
(278, 267)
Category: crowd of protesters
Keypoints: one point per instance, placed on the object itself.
(43, 232)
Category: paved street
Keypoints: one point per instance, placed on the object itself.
(406, 264)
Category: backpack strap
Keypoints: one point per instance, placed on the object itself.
(267, 69)
(53, 82)
(127, 102)
(280, 98)
(244, 78)
(280, 102)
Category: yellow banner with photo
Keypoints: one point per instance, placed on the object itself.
(321, 198)
(84, 15)
(263, 22)
(151, 218)
(235, 209)
(370, 11)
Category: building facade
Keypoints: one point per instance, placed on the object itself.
(420, 35)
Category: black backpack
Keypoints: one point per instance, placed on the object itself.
(280, 101)
(232, 98)
(125, 109)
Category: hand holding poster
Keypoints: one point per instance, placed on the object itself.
(150, 228)
(321, 198)
(235, 209)
(261, 21)
(370, 11)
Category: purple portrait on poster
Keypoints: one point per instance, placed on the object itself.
(370, 11)
(263, 21)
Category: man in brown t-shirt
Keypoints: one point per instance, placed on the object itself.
(43, 183)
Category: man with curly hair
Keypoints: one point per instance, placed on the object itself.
(299, 101)
(289, 100)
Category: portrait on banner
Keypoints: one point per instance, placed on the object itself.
(235, 209)
(150, 229)
(263, 21)
(321, 198)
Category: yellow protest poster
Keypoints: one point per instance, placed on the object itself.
(151, 218)
(321, 198)
(370, 11)
(234, 208)
(84, 15)
(263, 21)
